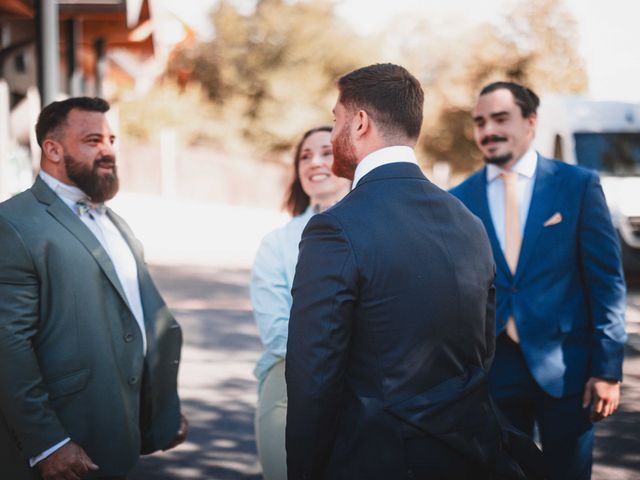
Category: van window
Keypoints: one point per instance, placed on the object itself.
(609, 153)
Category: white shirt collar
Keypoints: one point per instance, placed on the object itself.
(68, 193)
(526, 166)
(384, 156)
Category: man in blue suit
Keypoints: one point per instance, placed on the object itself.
(391, 330)
(560, 288)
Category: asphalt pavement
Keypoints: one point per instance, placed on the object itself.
(218, 389)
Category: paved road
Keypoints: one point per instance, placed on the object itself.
(218, 389)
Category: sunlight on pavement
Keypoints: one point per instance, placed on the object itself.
(182, 232)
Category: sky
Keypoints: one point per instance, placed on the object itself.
(608, 30)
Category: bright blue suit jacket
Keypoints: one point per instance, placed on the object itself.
(567, 295)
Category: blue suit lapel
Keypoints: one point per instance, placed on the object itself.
(543, 198)
(480, 207)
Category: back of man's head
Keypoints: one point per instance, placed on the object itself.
(390, 95)
(524, 97)
(53, 116)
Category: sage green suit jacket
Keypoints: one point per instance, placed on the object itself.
(71, 354)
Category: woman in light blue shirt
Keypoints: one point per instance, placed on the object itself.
(314, 188)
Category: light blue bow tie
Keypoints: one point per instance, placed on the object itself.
(84, 207)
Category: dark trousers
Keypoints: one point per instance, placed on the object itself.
(566, 433)
(430, 459)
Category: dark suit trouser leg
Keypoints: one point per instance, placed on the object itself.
(567, 437)
(430, 459)
(565, 431)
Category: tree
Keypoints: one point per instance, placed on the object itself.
(533, 45)
(272, 73)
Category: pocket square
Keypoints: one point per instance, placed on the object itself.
(553, 219)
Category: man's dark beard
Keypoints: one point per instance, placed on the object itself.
(98, 187)
(344, 157)
(500, 160)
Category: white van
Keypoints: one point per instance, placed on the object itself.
(604, 136)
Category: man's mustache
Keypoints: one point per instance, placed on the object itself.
(492, 138)
(108, 160)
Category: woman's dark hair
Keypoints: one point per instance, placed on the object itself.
(297, 201)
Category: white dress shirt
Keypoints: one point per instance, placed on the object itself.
(384, 156)
(526, 169)
(119, 252)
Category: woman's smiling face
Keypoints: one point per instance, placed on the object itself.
(314, 168)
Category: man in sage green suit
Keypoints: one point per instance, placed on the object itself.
(89, 352)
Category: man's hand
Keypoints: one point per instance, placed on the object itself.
(603, 396)
(69, 462)
(181, 435)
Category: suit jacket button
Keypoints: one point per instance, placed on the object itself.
(133, 380)
(128, 337)
(514, 290)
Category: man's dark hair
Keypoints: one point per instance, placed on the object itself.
(524, 97)
(297, 199)
(55, 114)
(389, 94)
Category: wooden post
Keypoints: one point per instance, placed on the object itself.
(5, 181)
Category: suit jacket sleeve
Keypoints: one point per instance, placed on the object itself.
(602, 269)
(490, 328)
(24, 401)
(324, 293)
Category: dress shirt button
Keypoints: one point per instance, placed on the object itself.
(133, 380)
(128, 337)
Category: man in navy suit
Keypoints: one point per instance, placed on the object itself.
(391, 330)
(560, 287)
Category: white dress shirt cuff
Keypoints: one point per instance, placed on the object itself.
(34, 460)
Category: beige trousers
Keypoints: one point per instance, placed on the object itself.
(271, 417)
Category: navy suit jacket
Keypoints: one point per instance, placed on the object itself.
(567, 295)
(391, 331)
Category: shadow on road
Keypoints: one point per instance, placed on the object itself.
(217, 387)
(617, 445)
(221, 446)
(218, 394)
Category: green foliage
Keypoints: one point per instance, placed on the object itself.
(276, 67)
(534, 45)
(270, 74)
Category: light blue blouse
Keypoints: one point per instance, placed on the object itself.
(270, 289)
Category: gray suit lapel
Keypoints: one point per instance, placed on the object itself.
(63, 214)
(143, 274)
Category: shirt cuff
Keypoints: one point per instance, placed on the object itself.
(34, 460)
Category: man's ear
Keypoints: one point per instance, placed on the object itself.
(52, 151)
(533, 120)
(362, 123)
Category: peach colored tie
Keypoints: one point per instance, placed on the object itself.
(512, 235)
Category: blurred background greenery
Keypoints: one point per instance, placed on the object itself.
(269, 74)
